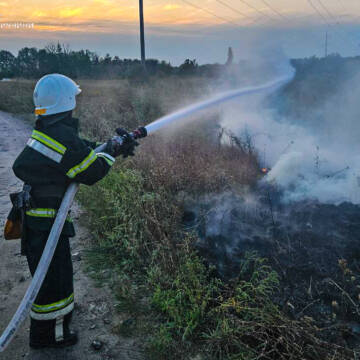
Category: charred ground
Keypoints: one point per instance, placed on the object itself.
(313, 247)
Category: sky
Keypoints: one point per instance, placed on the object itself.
(179, 29)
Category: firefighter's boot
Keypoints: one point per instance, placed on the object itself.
(52, 333)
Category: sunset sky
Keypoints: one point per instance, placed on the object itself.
(176, 30)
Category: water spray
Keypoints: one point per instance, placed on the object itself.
(338, 172)
(224, 97)
(49, 250)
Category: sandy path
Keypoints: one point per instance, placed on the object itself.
(94, 316)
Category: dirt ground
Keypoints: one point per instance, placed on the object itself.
(94, 317)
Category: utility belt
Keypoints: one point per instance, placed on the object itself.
(15, 223)
(25, 203)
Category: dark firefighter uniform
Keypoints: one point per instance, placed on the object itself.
(54, 157)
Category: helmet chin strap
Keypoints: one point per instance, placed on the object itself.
(47, 120)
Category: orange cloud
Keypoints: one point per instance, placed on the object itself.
(38, 13)
(171, 7)
(70, 12)
(117, 15)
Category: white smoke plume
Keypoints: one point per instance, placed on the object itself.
(312, 158)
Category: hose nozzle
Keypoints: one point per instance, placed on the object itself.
(139, 133)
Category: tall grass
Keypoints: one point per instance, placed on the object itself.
(16, 96)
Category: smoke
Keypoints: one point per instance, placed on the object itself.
(314, 156)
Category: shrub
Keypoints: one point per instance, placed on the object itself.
(126, 218)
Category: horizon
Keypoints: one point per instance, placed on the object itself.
(181, 29)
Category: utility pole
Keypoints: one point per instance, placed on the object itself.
(142, 37)
(326, 43)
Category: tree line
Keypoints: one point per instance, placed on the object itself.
(324, 74)
(58, 58)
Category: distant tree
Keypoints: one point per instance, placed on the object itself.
(27, 62)
(152, 66)
(7, 64)
(59, 58)
(51, 48)
(81, 63)
(165, 68)
(188, 67)
(107, 60)
(230, 57)
(59, 48)
(48, 62)
(116, 61)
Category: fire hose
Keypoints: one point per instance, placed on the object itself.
(49, 250)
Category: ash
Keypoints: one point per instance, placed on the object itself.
(314, 247)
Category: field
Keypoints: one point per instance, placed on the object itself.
(177, 300)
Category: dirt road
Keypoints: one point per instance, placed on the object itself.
(94, 310)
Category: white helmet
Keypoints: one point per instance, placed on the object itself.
(55, 93)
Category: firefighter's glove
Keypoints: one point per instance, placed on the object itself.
(125, 148)
(113, 148)
(129, 144)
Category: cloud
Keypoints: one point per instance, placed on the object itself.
(38, 13)
(70, 12)
(103, 2)
(171, 7)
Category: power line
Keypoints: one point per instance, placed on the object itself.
(274, 10)
(341, 5)
(331, 15)
(231, 8)
(321, 14)
(318, 11)
(257, 10)
(237, 11)
(210, 12)
(326, 10)
(264, 14)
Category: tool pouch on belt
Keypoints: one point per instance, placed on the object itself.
(15, 223)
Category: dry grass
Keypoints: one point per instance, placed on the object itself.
(194, 163)
(105, 105)
(16, 96)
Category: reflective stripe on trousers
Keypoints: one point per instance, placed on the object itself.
(52, 315)
(44, 213)
(53, 311)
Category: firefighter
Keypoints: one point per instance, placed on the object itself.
(54, 156)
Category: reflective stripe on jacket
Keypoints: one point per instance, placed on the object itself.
(55, 155)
